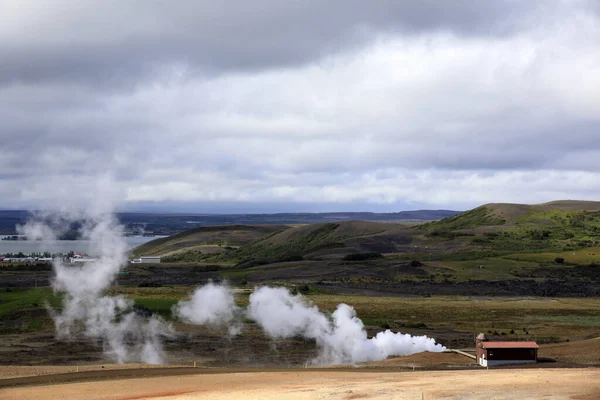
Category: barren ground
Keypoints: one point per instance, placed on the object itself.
(548, 384)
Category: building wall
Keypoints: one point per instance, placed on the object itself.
(490, 363)
(150, 259)
(491, 357)
(511, 354)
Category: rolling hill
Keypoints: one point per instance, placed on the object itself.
(543, 249)
(206, 239)
(554, 220)
(506, 227)
(331, 239)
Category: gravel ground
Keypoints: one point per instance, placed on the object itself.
(548, 384)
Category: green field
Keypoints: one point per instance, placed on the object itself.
(24, 310)
(542, 318)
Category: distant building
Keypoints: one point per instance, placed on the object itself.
(81, 260)
(147, 260)
(491, 353)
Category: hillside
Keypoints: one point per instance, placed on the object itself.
(554, 225)
(209, 239)
(546, 249)
(331, 239)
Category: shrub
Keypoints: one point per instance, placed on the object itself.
(362, 256)
(149, 284)
(303, 289)
(142, 311)
(416, 325)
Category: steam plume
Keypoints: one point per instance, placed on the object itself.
(341, 339)
(125, 336)
(212, 305)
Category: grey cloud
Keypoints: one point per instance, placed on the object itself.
(390, 106)
(110, 44)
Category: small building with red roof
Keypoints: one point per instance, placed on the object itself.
(490, 353)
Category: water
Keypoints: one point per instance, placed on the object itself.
(63, 246)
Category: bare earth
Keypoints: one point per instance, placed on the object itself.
(548, 384)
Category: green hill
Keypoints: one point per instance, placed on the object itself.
(511, 241)
(516, 227)
(331, 239)
(207, 239)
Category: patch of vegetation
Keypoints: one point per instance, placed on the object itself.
(294, 249)
(160, 306)
(480, 216)
(224, 235)
(149, 284)
(23, 310)
(25, 266)
(362, 256)
(13, 300)
(186, 256)
(544, 319)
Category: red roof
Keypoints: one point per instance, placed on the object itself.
(510, 345)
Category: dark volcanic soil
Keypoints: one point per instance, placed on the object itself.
(334, 277)
(547, 288)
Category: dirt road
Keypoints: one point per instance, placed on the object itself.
(548, 384)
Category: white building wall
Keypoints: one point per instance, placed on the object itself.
(490, 363)
(150, 259)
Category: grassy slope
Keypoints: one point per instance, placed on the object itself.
(23, 310)
(502, 228)
(512, 241)
(480, 216)
(514, 227)
(353, 236)
(230, 235)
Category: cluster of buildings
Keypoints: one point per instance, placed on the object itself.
(25, 259)
(76, 258)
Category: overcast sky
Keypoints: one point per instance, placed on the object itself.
(275, 105)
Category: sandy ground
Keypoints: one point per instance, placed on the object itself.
(19, 371)
(547, 384)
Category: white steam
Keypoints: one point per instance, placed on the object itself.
(212, 305)
(125, 336)
(341, 339)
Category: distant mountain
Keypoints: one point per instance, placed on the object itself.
(170, 223)
(10, 218)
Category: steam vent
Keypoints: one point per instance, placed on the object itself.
(490, 353)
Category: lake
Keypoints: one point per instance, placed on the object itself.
(63, 246)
